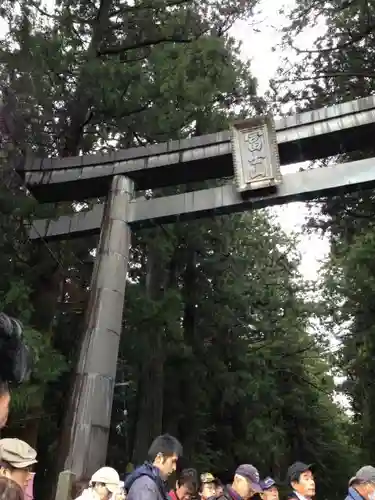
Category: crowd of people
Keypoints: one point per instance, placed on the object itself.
(149, 481)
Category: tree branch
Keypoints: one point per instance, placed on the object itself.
(148, 6)
(357, 215)
(325, 75)
(141, 44)
(45, 13)
(355, 39)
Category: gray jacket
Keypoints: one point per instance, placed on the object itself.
(144, 488)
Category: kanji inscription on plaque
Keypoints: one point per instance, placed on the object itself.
(255, 154)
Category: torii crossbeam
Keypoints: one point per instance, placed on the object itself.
(250, 154)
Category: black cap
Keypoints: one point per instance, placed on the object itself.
(295, 470)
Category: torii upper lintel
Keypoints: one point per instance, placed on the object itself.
(311, 135)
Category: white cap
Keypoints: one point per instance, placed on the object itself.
(107, 476)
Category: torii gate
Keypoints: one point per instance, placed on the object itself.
(251, 152)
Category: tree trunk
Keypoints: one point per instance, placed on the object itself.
(151, 382)
(189, 426)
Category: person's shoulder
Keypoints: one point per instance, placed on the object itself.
(292, 496)
(143, 482)
(172, 495)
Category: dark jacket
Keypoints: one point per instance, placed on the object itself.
(229, 494)
(353, 495)
(145, 483)
(292, 495)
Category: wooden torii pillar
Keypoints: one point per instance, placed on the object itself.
(251, 152)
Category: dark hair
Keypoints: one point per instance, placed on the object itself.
(79, 486)
(188, 477)
(9, 490)
(7, 466)
(165, 445)
(359, 482)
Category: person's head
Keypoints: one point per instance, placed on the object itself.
(301, 479)
(186, 484)
(105, 482)
(246, 481)
(270, 491)
(364, 482)
(219, 488)
(9, 489)
(17, 459)
(4, 403)
(164, 453)
(207, 488)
